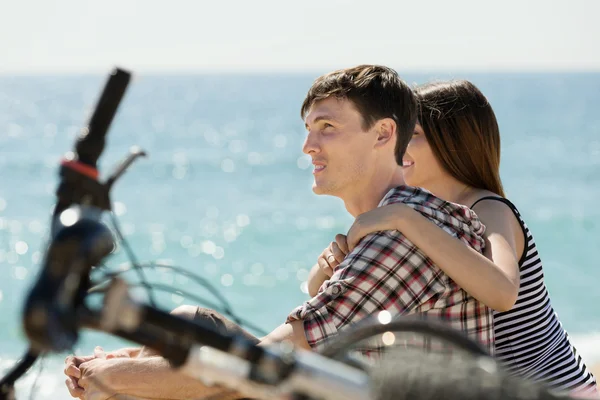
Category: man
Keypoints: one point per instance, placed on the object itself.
(357, 120)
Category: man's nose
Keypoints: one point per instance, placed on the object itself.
(311, 143)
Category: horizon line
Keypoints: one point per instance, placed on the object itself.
(289, 71)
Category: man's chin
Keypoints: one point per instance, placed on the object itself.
(322, 190)
(317, 189)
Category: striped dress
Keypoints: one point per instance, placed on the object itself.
(530, 340)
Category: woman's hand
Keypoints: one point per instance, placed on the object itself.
(326, 264)
(379, 219)
(333, 255)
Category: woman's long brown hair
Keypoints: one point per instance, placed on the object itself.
(463, 133)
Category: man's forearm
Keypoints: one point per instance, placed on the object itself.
(154, 378)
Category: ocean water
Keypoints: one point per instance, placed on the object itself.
(226, 192)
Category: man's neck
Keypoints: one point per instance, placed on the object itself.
(369, 196)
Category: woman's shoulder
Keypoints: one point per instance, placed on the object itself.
(483, 196)
(488, 204)
(499, 215)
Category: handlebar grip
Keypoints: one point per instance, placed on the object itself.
(91, 140)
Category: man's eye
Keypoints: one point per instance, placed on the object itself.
(326, 125)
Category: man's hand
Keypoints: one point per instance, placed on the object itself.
(96, 378)
(73, 370)
(72, 364)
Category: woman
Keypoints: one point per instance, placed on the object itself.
(455, 154)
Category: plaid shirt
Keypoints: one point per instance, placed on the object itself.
(385, 271)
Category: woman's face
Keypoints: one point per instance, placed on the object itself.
(419, 165)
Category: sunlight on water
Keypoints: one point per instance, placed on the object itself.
(228, 165)
(21, 247)
(227, 280)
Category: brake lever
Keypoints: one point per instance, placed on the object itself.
(133, 155)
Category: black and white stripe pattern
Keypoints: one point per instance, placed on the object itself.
(530, 340)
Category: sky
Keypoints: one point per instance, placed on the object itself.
(40, 36)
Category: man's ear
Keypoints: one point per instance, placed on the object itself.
(386, 132)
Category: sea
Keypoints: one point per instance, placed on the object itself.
(225, 192)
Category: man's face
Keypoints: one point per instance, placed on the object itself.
(341, 151)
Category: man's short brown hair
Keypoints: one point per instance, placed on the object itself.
(377, 92)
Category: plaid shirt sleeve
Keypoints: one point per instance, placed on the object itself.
(384, 272)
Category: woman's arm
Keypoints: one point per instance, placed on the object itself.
(492, 278)
(316, 277)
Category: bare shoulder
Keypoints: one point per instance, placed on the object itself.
(499, 218)
(494, 210)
